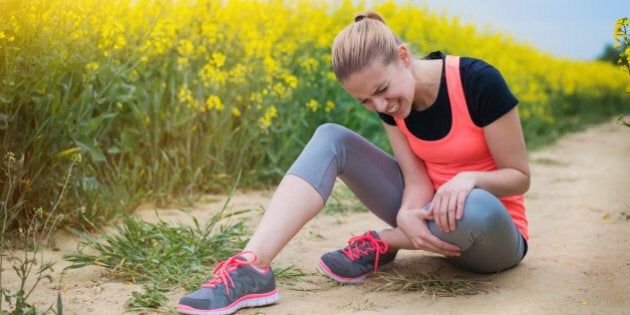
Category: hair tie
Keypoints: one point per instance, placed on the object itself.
(359, 18)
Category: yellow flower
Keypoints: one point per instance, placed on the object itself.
(218, 59)
(92, 66)
(270, 113)
(313, 105)
(329, 106)
(214, 101)
(236, 112)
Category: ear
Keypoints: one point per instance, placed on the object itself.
(405, 56)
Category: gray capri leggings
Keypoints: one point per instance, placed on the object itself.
(488, 239)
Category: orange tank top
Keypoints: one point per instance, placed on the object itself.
(463, 149)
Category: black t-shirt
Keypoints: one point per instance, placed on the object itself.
(487, 96)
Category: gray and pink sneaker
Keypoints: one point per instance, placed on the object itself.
(364, 253)
(235, 284)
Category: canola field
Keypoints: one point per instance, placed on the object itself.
(150, 100)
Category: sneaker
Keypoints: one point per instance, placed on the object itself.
(355, 262)
(235, 284)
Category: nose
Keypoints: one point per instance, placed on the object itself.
(380, 104)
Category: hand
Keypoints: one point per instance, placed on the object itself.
(448, 202)
(413, 223)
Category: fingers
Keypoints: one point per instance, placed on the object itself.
(444, 211)
(413, 224)
(450, 214)
(424, 239)
(436, 245)
(447, 209)
(461, 201)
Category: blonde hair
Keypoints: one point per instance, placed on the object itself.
(362, 42)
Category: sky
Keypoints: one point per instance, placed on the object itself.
(574, 29)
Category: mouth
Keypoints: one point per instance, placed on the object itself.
(394, 108)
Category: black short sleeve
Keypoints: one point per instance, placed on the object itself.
(487, 93)
(487, 97)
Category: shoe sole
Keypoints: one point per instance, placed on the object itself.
(341, 279)
(251, 300)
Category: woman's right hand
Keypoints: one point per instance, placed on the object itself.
(413, 222)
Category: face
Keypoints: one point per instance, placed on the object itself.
(388, 89)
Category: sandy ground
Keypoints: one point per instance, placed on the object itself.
(578, 260)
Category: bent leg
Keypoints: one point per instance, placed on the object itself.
(487, 236)
(333, 151)
(372, 174)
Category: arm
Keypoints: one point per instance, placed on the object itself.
(507, 146)
(418, 188)
(418, 192)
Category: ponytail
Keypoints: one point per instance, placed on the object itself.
(361, 42)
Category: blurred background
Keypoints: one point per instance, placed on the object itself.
(579, 30)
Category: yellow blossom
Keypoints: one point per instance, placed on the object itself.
(313, 105)
(329, 106)
(92, 66)
(214, 102)
(270, 113)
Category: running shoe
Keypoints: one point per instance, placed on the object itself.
(354, 263)
(235, 284)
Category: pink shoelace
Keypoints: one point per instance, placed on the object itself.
(221, 273)
(363, 245)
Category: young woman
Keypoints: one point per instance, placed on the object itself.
(455, 186)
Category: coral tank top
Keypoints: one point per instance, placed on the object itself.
(464, 148)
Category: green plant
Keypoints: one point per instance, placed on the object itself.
(167, 255)
(167, 100)
(342, 200)
(151, 299)
(162, 253)
(621, 36)
(22, 250)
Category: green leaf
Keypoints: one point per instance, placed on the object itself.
(91, 148)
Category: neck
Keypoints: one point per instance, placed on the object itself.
(427, 75)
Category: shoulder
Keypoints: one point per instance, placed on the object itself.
(477, 70)
(487, 93)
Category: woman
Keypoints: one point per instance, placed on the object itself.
(455, 186)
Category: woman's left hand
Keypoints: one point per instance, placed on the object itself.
(447, 205)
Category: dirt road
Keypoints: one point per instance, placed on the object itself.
(578, 260)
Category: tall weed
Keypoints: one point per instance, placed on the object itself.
(21, 248)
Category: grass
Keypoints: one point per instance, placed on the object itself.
(163, 255)
(342, 201)
(160, 252)
(431, 283)
(23, 250)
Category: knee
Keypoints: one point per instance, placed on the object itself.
(483, 209)
(331, 133)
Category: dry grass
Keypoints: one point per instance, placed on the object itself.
(431, 283)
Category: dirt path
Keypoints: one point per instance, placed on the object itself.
(578, 262)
